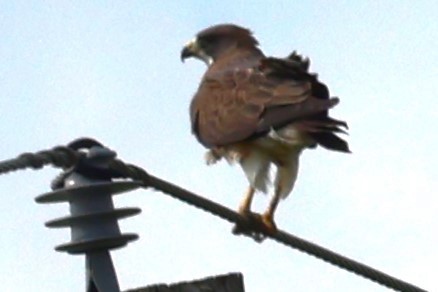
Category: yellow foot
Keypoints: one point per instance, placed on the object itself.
(256, 226)
(244, 211)
(268, 223)
(251, 220)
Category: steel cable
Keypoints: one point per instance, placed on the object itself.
(66, 157)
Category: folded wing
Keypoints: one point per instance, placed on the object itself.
(239, 104)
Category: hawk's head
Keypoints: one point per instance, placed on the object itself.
(209, 44)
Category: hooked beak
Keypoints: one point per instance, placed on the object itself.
(190, 50)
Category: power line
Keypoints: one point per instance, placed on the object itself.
(70, 157)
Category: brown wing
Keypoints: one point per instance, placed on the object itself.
(319, 126)
(232, 106)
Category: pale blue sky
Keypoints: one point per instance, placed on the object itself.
(111, 70)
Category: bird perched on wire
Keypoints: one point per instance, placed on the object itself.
(259, 111)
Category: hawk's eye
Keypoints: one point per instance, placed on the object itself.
(206, 42)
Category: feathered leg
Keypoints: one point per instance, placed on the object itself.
(255, 164)
(284, 182)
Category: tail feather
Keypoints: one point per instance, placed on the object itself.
(330, 141)
(324, 130)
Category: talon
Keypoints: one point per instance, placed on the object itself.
(268, 223)
(257, 227)
(251, 219)
(245, 212)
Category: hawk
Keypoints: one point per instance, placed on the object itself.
(259, 111)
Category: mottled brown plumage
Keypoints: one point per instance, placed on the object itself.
(259, 110)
